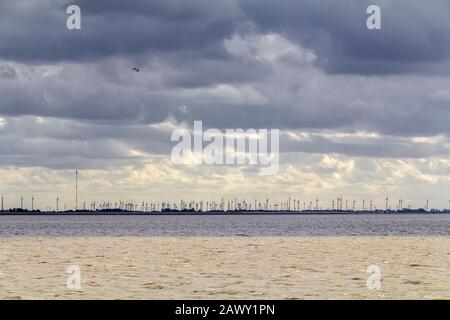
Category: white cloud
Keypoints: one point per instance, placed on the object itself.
(267, 47)
(442, 95)
(225, 93)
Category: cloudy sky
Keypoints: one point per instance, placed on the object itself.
(362, 113)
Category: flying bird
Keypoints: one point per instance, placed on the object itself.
(135, 69)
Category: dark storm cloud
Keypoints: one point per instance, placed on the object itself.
(414, 38)
(100, 104)
(212, 61)
(25, 141)
(384, 147)
(36, 32)
(415, 34)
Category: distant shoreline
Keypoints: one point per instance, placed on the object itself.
(217, 213)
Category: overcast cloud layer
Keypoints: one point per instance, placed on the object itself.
(362, 113)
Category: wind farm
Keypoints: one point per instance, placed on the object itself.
(291, 205)
(210, 207)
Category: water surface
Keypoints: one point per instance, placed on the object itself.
(228, 225)
(225, 267)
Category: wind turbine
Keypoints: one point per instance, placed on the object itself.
(76, 190)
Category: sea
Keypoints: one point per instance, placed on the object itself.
(351, 256)
(171, 225)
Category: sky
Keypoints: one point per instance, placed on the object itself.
(362, 113)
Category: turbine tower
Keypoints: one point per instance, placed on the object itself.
(76, 190)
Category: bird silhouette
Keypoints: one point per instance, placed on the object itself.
(135, 69)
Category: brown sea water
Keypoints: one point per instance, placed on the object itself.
(225, 267)
(225, 257)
